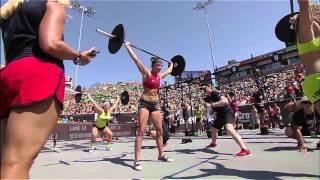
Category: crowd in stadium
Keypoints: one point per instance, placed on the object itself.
(277, 86)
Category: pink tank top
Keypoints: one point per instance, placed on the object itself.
(153, 82)
(234, 106)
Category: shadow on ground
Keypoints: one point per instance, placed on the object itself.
(244, 174)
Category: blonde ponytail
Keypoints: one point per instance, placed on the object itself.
(9, 7)
(67, 3)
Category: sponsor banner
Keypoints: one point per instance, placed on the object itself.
(245, 115)
(76, 131)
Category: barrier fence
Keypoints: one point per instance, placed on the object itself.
(126, 127)
(77, 131)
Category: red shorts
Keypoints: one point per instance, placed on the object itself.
(27, 81)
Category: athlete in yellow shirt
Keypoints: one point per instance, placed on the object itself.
(307, 25)
(101, 124)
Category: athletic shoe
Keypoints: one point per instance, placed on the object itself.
(211, 145)
(165, 158)
(243, 152)
(108, 148)
(92, 150)
(137, 166)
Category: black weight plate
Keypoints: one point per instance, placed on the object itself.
(124, 98)
(178, 65)
(78, 96)
(116, 42)
(285, 31)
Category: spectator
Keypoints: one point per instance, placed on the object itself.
(255, 118)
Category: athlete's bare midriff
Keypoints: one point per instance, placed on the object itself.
(150, 95)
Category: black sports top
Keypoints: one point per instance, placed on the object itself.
(20, 33)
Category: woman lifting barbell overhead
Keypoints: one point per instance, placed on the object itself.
(149, 104)
(101, 124)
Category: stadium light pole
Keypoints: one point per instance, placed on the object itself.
(84, 10)
(200, 6)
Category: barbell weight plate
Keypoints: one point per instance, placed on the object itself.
(178, 65)
(78, 96)
(284, 30)
(124, 98)
(116, 42)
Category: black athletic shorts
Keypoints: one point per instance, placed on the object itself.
(102, 128)
(150, 106)
(223, 118)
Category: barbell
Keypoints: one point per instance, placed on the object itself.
(117, 38)
(91, 55)
(124, 96)
(285, 31)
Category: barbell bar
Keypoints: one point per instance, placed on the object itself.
(117, 38)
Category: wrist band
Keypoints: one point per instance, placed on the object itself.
(77, 59)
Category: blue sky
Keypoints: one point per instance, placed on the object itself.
(167, 28)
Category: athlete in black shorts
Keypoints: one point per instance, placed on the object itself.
(224, 117)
